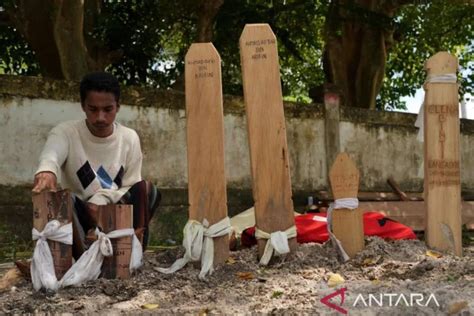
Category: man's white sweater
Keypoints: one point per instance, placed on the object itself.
(96, 169)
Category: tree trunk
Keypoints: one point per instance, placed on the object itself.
(69, 38)
(207, 11)
(358, 35)
(55, 31)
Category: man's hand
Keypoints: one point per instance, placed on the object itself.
(45, 181)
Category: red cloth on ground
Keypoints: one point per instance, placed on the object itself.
(312, 227)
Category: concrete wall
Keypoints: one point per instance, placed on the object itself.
(25, 120)
(382, 144)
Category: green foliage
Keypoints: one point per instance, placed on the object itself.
(16, 57)
(298, 27)
(12, 247)
(421, 31)
(153, 37)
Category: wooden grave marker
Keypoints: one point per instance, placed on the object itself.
(347, 225)
(271, 183)
(442, 184)
(113, 217)
(46, 207)
(205, 141)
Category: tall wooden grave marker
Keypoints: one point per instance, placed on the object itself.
(271, 181)
(441, 145)
(114, 217)
(46, 207)
(205, 140)
(347, 225)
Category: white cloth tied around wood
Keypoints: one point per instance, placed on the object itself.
(277, 242)
(446, 78)
(198, 241)
(89, 264)
(346, 203)
(42, 266)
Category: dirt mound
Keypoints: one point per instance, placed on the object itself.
(293, 284)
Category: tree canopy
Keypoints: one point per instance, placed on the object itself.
(371, 51)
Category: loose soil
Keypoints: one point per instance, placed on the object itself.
(393, 270)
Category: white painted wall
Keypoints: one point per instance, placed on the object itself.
(25, 122)
(380, 150)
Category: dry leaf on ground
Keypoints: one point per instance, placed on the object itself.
(245, 275)
(456, 307)
(335, 279)
(150, 306)
(434, 254)
(12, 277)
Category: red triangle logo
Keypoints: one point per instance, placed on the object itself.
(326, 300)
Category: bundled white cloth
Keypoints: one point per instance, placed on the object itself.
(89, 264)
(199, 245)
(447, 78)
(276, 242)
(347, 203)
(42, 266)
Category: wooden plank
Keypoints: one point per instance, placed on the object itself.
(347, 225)
(372, 196)
(270, 168)
(205, 141)
(412, 213)
(442, 164)
(386, 196)
(46, 207)
(113, 217)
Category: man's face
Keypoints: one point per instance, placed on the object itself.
(101, 109)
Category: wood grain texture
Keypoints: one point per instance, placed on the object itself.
(270, 168)
(205, 140)
(113, 217)
(442, 183)
(46, 207)
(347, 225)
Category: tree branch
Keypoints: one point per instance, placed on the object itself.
(285, 38)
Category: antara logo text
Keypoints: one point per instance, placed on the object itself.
(395, 299)
(380, 300)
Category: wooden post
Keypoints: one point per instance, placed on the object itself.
(46, 207)
(205, 141)
(441, 145)
(347, 225)
(113, 217)
(271, 181)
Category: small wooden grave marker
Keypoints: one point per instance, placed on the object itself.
(442, 183)
(347, 225)
(46, 207)
(113, 217)
(271, 181)
(205, 141)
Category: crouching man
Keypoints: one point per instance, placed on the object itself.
(99, 161)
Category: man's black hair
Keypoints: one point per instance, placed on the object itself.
(99, 82)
